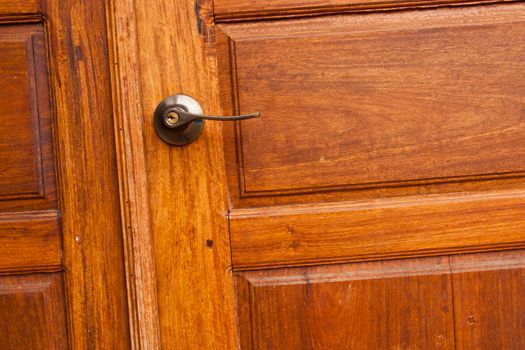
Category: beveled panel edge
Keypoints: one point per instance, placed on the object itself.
(468, 221)
(379, 203)
(314, 11)
(25, 284)
(423, 253)
(29, 215)
(332, 273)
(24, 270)
(386, 184)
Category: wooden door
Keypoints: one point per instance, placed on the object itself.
(62, 277)
(377, 203)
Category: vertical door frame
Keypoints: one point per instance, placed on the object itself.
(93, 252)
(173, 200)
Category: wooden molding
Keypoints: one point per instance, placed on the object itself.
(140, 263)
(246, 10)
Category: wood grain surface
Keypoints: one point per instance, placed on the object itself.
(88, 182)
(32, 312)
(27, 174)
(489, 304)
(186, 187)
(15, 8)
(240, 10)
(30, 242)
(379, 100)
(185, 197)
(298, 235)
(403, 304)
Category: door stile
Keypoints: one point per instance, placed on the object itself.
(174, 200)
(93, 258)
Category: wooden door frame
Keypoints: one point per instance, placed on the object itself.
(180, 295)
(93, 257)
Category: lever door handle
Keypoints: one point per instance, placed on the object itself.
(179, 119)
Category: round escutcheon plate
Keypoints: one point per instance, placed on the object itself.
(178, 136)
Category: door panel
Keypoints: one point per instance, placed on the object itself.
(27, 176)
(489, 300)
(345, 100)
(403, 304)
(32, 312)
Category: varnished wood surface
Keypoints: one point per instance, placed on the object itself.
(297, 235)
(27, 179)
(88, 178)
(134, 186)
(186, 187)
(187, 199)
(346, 100)
(30, 241)
(13, 8)
(403, 304)
(235, 10)
(18, 175)
(489, 300)
(32, 312)
(468, 301)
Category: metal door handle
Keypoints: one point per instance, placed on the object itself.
(179, 119)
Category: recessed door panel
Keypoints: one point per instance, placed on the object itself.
(379, 100)
(404, 304)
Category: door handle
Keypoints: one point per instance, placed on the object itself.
(179, 119)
